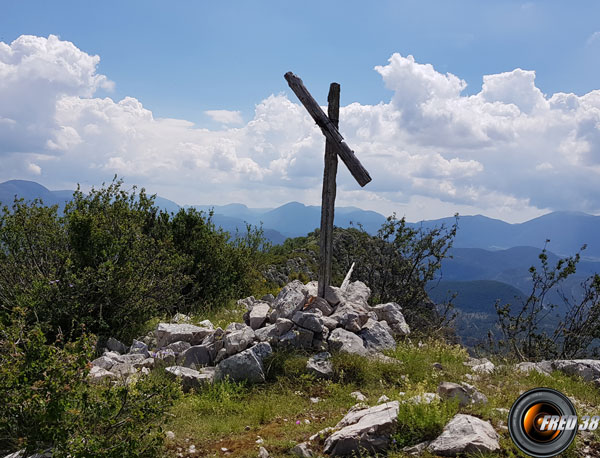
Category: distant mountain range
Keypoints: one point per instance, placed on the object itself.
(490, 258)
(567, 231)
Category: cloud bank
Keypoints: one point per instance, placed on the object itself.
(508, 151)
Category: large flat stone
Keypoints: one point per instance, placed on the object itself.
(245, 366)
(465, 434)
(364, 428)
(377, 336)
(167, 333)
(346, 342)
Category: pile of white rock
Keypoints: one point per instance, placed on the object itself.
(297, 318)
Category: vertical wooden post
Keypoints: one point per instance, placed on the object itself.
(328, 196)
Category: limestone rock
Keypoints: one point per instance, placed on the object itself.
(377, 336)
(138, 347)
(357, 294)
(104, 362)
(312, 288)
(258, 315)
(239, 340)
(191, 378)
(290, 299)
(165, 357)
(124, 370)
(197, 356)
(178, 347)
(132, 358)
(318, 303)
(333, 295)
(346, 342)
(465, 434)
(392, 314)
(477, 397)
(167, 333)
(310, 321)
(425, 398)
(544, 367)
(247, 302)
(358, 396)
(180, 318)
(480, 365)
(207, 324)
(114, 345)
(587, 369)
(364, 428)
(148, 363)
(350, 318)
(267, 334)
(416, 450)
(247, 365)
(268, 298)
(283, 325)
(297, 338)
(329, 323)
(449, 390)
(116, 357)
(302, 450)
(97, 374)
(320, 365)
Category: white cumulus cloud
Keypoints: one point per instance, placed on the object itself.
(225, 116)
(508, 150)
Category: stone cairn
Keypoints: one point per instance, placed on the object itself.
(297, 318)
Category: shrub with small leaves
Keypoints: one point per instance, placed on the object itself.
(49, 403)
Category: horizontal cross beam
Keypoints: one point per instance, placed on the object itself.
(336, 140)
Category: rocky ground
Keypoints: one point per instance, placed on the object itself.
(201, 355)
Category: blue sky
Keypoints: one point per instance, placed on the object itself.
(182, 59)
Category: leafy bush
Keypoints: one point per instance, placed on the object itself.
(48, 402)
(526, 332)
(221, 268)
(108, 262)
(397, 264)
(112, 261)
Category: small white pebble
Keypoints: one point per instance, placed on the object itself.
(307, 421)
(170, 435)
(223, 449)
(259, 441)
(315, 400)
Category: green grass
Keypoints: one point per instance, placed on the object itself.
(281, 414)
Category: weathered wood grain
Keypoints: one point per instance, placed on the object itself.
(330, 131)
(328, 195)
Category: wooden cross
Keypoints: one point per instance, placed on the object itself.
(334, 146)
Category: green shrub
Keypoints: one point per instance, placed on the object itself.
(418, 422)
(528, 334)
(221, 268)
(48, 402)
(108, 262)
(361, 371)
(113, 261)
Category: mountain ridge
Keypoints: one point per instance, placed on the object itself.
(566, 230)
